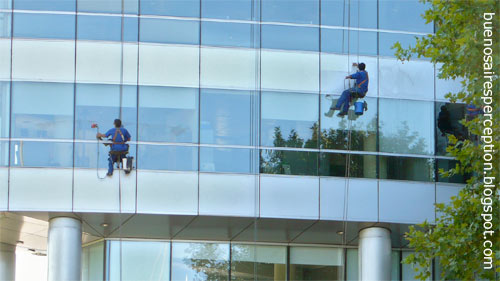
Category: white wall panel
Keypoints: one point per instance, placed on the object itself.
(167, 192)
(332, 196)
(289, 197)
(98, 62)
(168, 65)
(43, 60)
(362, 200)
(40, 189)
(228, 195)
(4, 188)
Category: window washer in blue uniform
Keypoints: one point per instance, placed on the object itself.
(358, 91)
(119, 147)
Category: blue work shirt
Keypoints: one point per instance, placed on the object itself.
(119, 147)
(361, 76)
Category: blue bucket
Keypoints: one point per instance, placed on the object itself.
(358, 108)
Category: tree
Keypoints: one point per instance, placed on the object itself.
(456, 238)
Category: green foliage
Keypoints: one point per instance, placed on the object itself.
(456, 238)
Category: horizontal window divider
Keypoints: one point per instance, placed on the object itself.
(394, 154)
(45, 12)
(230, 146)
(288, 176)
(228, 174)
(290, 149)
(291, 51)
(288, 91)
(340, 151)
(15, 38)
(43, 140)
(256, 49)
(228, 88)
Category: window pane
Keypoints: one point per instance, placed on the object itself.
(403, 15)
(307, 263)
(285, 162)
(5, 4)
(258, 262)
(228, 160)
(335, 130)
(360, 42)
(139, 260)
(167, 157)
(289, 120)
(446, 165)
(108, 6)
(36, 115)
(170, 31)
(406, 126)
(168, 114)
(405, 168)
(130, 29)
(44, 26)
(361, 166)
(99, 28)
(352, 264)
(93, 261)
(200, 261)
(387, 40)
(290, 37)
(230, 34)
(47, 5)
(230, 9)
(229, 117)
(297, 11)
(41, 154)
(331, 12)
(183, 8)
(448, 116)
(4, 109)
(332, 40)
(5, 25)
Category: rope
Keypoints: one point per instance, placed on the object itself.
(97, 160)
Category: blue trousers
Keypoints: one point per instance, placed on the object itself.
(111, 160)
(345, 98)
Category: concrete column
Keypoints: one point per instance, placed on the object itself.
(64, 249)
(7, 262)
(374, 254)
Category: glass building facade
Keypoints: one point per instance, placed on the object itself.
(226, 102)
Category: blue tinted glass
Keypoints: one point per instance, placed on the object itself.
(367, 11)
(5, 24)
(173, 158)
(41, 154)
(106, 28)
(4, 155)
(387, 40)
(86, 155)
(130, 29)
(230, 34)
(168, 114)
(332, 12)
(108, 6)
(100, 104)
(289, 162)
(226, 117)
(296, 11)
(4, 109)
(446, 165)
(183, 8)
(360, 42)
(230, 9)
(36, 115)
(170, 31)
(361, 166)
(5, 4)
(290, 38)
(403, 15)
(331, 40)
(44, 26)
(228, 160)
(406, 168)
(47, 5)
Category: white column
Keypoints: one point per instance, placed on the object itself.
(64, 249)
(7, 262)
(374, 254)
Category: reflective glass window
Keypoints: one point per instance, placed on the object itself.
(446, 165)
(99, 28)
(4, 109)
(5, 4)
(139, 260)
(5, 25)
(35, 114)
(41, 154)
(406, 168)
(170, 31)
(362, 128)
(284, 162)
(290, 37)
(46, 5)
(230, 9)
(228, 160)
(4, 155)
(408, 270)
(130, 29)
(93, 261)
(406, 126)
(289, 120)
(332, 40)
(167, 157)
(258, 261)
(360, 43)
(335, 164)
(230, 34)
(448, 116)
(168, 114)
(44, 26)
(403, 15)
(387, 40)
(311, 263)
(332, 12)
(339, 13)
(182, 8)
(228, 117)
(200, 261)
(108, 6)
(297, 11)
